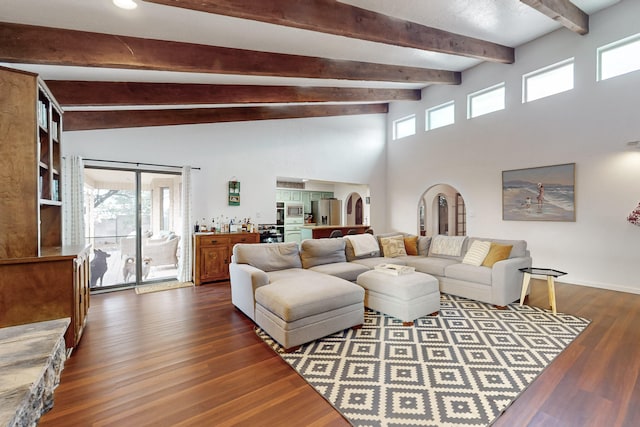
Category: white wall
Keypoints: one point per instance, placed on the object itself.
(588, 126)
(346, 149)
(342, 191)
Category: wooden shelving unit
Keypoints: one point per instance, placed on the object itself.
(49, 119)
(39, 279)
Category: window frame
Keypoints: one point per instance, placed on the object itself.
(634, 38)
(428, 111)
(473, 95)
(546, 70)
(402, 120)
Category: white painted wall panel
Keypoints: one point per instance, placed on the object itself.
(347, 149)
(589, 126)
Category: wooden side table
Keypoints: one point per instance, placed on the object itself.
(551, 275)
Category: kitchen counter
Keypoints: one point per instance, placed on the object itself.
(322, 231)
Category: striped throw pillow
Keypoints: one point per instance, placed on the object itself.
(477, 253)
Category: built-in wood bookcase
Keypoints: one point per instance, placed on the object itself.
(39, 278)
(49, 135)
(31, 129)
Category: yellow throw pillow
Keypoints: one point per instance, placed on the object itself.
(497, 253)
(393, 246)
(411, 245)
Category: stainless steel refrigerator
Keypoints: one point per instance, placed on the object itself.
(327, 211)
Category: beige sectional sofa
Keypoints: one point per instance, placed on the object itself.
(299, 293)
(294, 305)
(498, 285)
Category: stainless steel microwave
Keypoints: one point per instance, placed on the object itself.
(295, 210)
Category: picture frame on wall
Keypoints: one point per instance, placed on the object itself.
(234, 193)
(545, 193)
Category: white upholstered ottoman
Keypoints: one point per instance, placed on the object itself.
(406, 296)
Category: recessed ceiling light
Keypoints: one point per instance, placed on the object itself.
(125, 4)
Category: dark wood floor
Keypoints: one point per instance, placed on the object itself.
(187, 357)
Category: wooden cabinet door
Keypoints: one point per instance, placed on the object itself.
(80, 293)
(285, 196)
(213, 255)
(242, 238)
(214, 262)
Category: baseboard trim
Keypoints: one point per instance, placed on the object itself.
(606, 286)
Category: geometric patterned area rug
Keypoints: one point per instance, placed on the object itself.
(463, 367)
(164, 286)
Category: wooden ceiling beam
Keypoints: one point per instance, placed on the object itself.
(332, 17)
(52, 46)
(114, 119)
(564, 12)
(83, 93)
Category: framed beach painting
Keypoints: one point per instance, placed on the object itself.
(544, 193)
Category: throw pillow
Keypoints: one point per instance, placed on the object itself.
(497, 253)
(393, 246)
(477, 253)
(411, 245)
(447, 245)
(423, 245)
(351, 253)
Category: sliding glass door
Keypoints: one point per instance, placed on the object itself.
(132, 218)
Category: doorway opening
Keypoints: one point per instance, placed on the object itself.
(354, 210)
(442, 210)
(132, 218)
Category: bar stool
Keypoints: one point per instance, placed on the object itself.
(335, 233)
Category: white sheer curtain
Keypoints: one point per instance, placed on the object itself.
(184, 264)
(73, 201)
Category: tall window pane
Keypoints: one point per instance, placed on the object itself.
(165, 208)
(114, 202)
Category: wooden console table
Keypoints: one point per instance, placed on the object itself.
(32, 358)
(212, 254)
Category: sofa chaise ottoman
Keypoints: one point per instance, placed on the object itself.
(306, 307)
(291, 304)
(405, 297)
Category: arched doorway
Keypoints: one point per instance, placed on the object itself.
(442, 210)
(354, 209)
